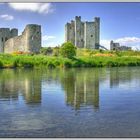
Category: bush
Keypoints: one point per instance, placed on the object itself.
(56, 51)
(1, 64)
(51, 64)
(68, 50)
(46, 50)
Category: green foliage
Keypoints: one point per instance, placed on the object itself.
(101, 51)
(68, 50)
(1, 64)
(46, 50)
(126, 58)
(56, 51)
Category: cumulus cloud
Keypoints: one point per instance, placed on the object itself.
(44, 8)
(133, 42)
(105, 43)
(46, 37)
(6, 17)
(128, 40)
(50, 41)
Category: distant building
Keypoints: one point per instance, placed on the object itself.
(116, 46)
(83, 34)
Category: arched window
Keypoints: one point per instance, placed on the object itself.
(2, 39)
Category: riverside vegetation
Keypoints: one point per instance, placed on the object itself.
(69, 56)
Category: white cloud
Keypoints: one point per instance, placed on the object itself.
(6, 17)
(126, 40)
(50, 41)
(44, 8)
(133, 42)
(105, 43)
(46, 37)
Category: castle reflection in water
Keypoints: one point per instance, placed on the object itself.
(20, 82)
(80, 86)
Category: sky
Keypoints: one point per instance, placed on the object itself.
(118, 21)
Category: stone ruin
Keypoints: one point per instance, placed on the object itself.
(29, 41)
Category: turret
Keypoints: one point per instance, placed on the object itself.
(14, 32)
(97, 32)
(33, 38)
(4, 36)
(78, 18)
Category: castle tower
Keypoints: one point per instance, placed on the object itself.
(97, 32)
(32, 38)
(83, 34)
(79, 32)
(14, 32)
(4, 36)
(111, 45)
(29, 41)
(70, 32)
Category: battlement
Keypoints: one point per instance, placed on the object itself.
(96, 19)
(77, 17)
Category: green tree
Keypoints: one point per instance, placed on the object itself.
(68, 50)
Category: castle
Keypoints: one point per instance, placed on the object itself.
(29, 41)
(83, 34)
(117, 46)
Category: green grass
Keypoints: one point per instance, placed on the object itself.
(129, 58)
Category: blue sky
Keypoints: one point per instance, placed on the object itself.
(119, 21)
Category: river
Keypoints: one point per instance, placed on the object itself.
(81, 102)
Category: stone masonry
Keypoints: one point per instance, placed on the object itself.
(29, 41)
(5, 34)
(83, 34)
(117, 46)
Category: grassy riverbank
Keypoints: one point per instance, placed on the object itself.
(93, 59)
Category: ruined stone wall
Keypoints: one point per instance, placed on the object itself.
(29, 41)
(15, 44)
(14, 32)
(5, 34)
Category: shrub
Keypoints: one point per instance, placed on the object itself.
(56, 51)
(67, 63)
(46, 50)
(1, 64)
(68, 50)
(50, 64)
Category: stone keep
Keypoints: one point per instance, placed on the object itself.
(5, 34)
(83, 34)
(29, 41)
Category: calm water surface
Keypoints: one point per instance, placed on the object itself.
(95, 102)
